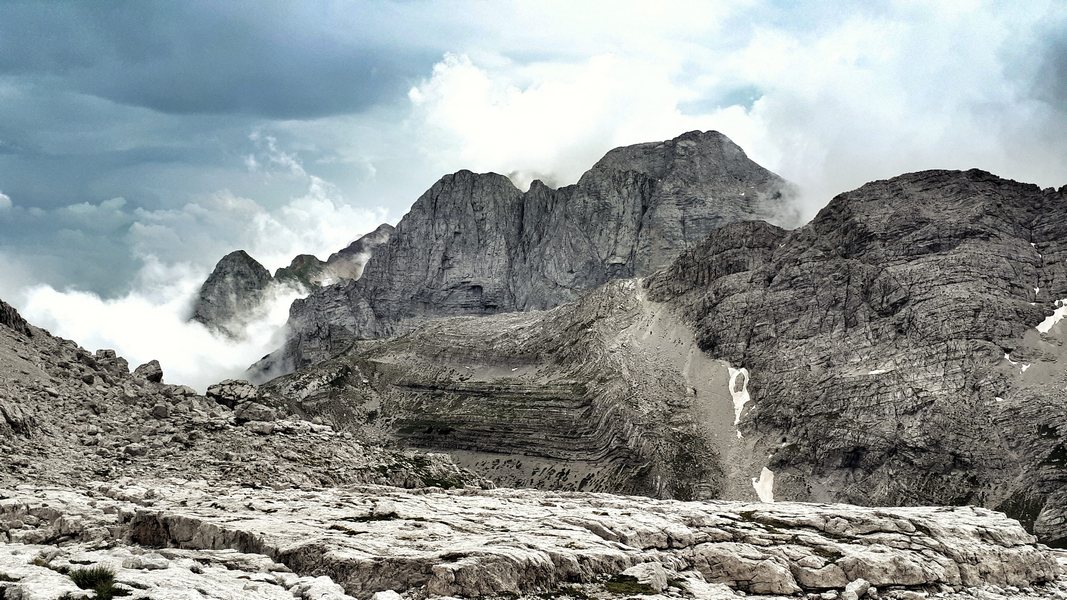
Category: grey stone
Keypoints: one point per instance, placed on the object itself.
(232, 392)
(652, 575)
(856, 589)
(151, 371)
(253, 411)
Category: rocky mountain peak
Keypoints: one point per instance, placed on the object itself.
(695, 150)
(476, 244)
(303, 271)
(233, 290)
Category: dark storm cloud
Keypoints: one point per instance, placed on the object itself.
(269, 59)
(1052, 76)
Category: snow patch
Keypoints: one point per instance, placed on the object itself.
(879, 371)
(740, 396)
(1023, 366)
(764, 486)
(1058, 314)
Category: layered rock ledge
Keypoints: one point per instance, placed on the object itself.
(434, 542)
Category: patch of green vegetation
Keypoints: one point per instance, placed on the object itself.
(100, 579)
(627, 584)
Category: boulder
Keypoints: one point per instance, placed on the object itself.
(652, 575)
(253, 411)
(232, 392)
(151, 371)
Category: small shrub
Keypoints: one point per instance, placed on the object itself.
(91, 578)
(100, 579)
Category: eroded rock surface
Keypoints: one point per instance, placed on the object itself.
(609, 393)
(435, 543)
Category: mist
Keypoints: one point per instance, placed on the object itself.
(152, 323)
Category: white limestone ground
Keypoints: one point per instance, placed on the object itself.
(433, 543)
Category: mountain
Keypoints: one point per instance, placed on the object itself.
(902, 346)
(68, 416)
(900, 349)
(475, 244)
(232, 294)
(236, 291)
(167, 491)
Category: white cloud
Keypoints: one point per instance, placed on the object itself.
(545, 120)
(5, 201)
(151, 323)
(850, 97)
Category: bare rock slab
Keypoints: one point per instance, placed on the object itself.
(477, 543)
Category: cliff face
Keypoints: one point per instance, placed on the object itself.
(902, 347)
(475, 244)
(609, 393)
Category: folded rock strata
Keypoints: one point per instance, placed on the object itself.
(609, 393)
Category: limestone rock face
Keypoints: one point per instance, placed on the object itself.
(609, 393)
(902, 348)
(475, 244)
(232, 294)
(348, 263)
(510, 542)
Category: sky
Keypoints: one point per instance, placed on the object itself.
(142, 141)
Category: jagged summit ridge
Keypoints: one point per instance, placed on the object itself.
(237, 290)
(476, 244)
